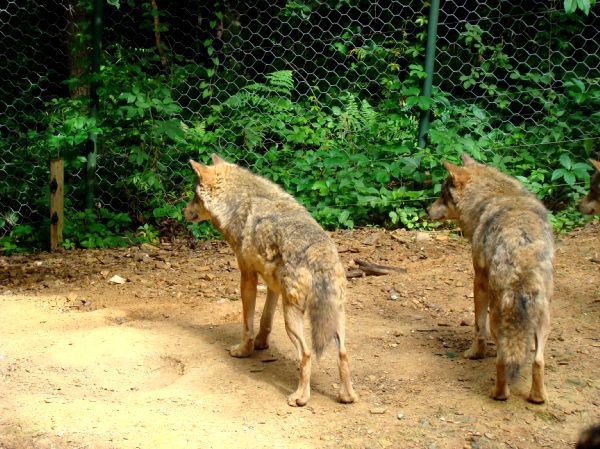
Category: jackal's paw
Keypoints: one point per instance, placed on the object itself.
(501, 395)
(261, 342)
(537, 397)
(475, 352)
(347, 396)
(297, 399)
(244, 349)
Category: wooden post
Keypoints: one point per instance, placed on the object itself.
(56, 202)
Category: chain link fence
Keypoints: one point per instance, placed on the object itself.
(291, 89)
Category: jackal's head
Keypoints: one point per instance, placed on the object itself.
(591, 203)
(445, 207)
(195, 211)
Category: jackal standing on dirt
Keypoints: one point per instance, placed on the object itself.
(273, 236)
(512, 246)
(590, 204)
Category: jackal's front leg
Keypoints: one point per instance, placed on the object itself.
(481, 300)
(248, 293)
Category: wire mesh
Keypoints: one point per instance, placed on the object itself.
(215, 71)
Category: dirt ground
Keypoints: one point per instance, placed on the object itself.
(89, 363)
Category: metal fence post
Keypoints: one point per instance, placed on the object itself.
(429, 61)
(97, 24)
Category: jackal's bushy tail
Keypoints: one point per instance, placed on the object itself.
(521, 306)
(516, 329)
(325, 312)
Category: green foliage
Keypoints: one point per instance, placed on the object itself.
(104, 229)
(573, 5)
(344, 145)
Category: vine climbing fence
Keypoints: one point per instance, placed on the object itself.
(323, 97)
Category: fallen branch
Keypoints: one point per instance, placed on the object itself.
(365, 268)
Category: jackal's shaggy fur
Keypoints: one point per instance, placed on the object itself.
(590, 204)
(512, 247)
(273, 236)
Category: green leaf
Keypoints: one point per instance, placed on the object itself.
(569, 178)
(565, 161)
(584, 5)
(343, 217)
(339, 46)
(558, 173)
(570, 6)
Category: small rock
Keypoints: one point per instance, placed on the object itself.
(489, 436)
(466, 322)
(162, 265)
(207, 277)
(422, 236)
(72, 296)
(116, 279)
(104, 273)
(7, 292)
(399, 333)
(38, 263)
(393, 295)
(378, 411)
(221, 301)
(424, 423)
(119, 320)
(400, 415)
(371, 240)
(139, 256)
(148, 247)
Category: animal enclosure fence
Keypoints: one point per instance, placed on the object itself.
(324, 97)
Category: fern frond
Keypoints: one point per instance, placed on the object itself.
(282, 80)
(368, 115)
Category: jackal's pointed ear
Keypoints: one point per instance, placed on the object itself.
(205, 174)
(459, 175)
(467, 160)
(596, 164)
(217, 160)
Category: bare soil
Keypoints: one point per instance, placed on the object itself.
(89, 363)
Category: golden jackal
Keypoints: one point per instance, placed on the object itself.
(512, 247)
(591, 203)
(273, 236)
